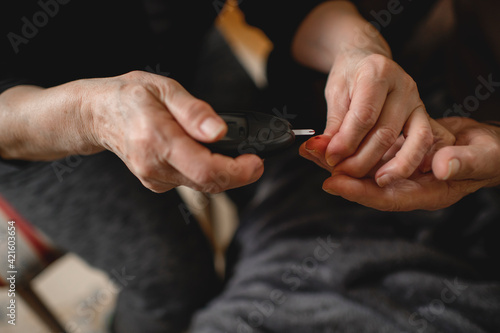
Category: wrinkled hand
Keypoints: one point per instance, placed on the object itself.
(472, 163)
(371, 101)
(154, 125)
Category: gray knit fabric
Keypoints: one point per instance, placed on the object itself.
(305, 261)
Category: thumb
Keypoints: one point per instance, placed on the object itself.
(195, 116)
(464, 162)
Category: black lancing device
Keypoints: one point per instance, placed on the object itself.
(252, 132)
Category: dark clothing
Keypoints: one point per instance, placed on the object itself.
(49, 42)
(102, 213)
(305, 261)
(453, 50)
(87, 39)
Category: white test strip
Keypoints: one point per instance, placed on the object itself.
(303, 131)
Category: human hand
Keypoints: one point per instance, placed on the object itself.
(470, 164)
(153, 124)
(371, 101)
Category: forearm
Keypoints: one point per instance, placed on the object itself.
(43, 124)
(331, 28)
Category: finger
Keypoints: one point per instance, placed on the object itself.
(478, 162)
(314, 150)
(391, 153)
(318, 161)
(195, 116)
(403, 195)
(442, 138)
(337, 101)
(318, 144)
(159, 179)
(166, 145)
(164, 178)
(366, 104)
(455, 124)
(387, 156)
(212, 172)
(382, 137)
(157, 186)
(418, 141)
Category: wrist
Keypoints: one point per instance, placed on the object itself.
(82, 98)
(333, 29)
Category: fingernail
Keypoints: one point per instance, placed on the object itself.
(329, 191)
(313, 152)
(257, 171)
(212, 127)
(332, 160)
(308, 145)
(453, 167)
(384, 180)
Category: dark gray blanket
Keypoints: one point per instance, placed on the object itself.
(305, 261)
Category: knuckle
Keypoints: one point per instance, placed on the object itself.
(380, 64)
(331, 91)
(333, 118)
(329, 94)
(136, 91)
(443, 136)
(386, 136)
(169, 87)
(153, 187)
(149, 185)
(425, 136)
(495, 148)
(144, 166)
(202, 177)
(141, 139)
(409, 84)
(470, 160)
(133, 89)
(407, 167)
(344, 148)
(374, 74)
(134, 75)
(195, 108)
(366, 115)
(144, 170)
(378, 60)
